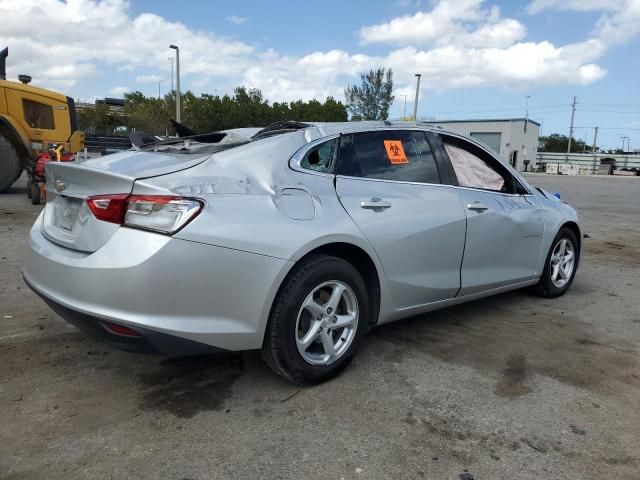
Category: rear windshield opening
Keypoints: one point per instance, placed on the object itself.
(280, 127)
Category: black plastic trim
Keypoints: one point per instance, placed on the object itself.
(73, 114)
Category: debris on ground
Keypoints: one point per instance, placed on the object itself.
(577, 430)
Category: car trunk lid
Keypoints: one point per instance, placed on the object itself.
(67, 219)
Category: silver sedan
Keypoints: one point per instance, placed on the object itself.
(295, 239)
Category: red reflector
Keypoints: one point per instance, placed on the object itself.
(109, 208)
(121, 329)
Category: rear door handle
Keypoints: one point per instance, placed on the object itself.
(477, 206)
(375, 203)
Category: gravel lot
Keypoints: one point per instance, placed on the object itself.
(512, 387)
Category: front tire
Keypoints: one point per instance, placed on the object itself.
(560, 266)
(317, 320)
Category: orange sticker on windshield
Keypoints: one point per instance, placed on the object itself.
(395, 152)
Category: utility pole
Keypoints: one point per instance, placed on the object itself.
(573, 113)
(415, 105)
(175, 47)
(584, 144)
(159, 82)
(526, 113)
(623, 139)
(593, 150)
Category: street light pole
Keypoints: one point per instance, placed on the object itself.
(175, 47)
(404, 112)
(171, 60)
(415, 105)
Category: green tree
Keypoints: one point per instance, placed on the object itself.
(372, 99)
(558, 143)
(207, 113)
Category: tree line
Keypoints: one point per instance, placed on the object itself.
(204, 113)
(245, 108)
(558, 143)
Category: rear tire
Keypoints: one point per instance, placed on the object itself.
(34, 193)
(10, 168)
(560, 265)
(317, 320)
(29, 183)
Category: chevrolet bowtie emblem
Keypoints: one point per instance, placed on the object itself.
(59, 186)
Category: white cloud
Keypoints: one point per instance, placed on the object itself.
(537, 6)
(519, 66)
(456, 44)
(105, 32)
(236, 19)
(119, 91)
(149, 79)
(619, 22)
(407, 3)
(450, 22)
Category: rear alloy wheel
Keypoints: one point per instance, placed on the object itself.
(327, 323)
(317, 320)
(560, 266)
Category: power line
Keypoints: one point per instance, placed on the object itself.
(540, 107)
(613, 128)
(612, 104)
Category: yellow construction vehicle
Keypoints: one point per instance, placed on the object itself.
(32, 120)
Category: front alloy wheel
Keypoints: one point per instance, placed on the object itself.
(560, 266)
(562, 260)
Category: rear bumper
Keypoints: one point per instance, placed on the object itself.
(148, 341)
(167, 289)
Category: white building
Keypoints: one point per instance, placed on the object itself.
(515, 139)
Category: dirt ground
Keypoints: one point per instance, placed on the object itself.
(511, 387)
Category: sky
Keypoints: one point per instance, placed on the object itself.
(478, 59)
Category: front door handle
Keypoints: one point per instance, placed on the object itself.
(375, 203)
(477, 206)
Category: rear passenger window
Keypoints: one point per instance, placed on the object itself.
(399, 155)
(321, 158)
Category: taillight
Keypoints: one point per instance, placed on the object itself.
(108, 208)
(163, 214)
(159, 213)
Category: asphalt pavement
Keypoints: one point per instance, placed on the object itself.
(510, 387)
